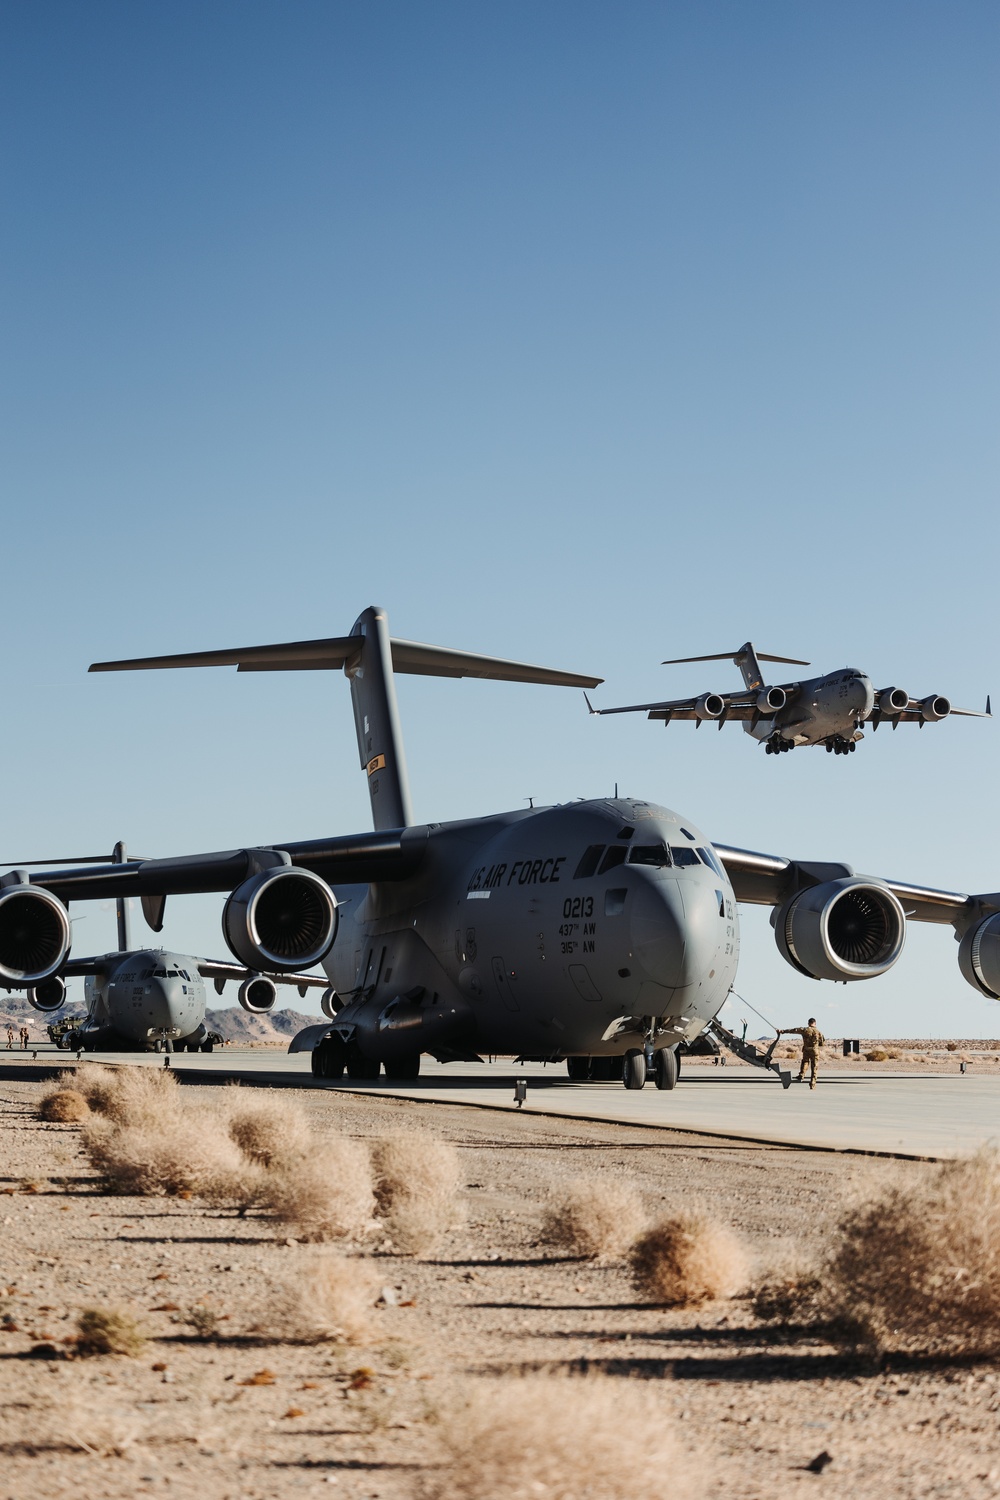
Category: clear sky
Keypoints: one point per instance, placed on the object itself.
(582, 333)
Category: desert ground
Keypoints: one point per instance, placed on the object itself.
(220, 1403)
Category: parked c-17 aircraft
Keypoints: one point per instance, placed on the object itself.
(827, 710)
(149, 998)
(602, 932)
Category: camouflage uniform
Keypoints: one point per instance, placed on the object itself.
(812, 1040)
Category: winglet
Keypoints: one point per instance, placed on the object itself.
(594, 710)
(989, 711)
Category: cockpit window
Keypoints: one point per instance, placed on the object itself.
(614, 857)
(687, 835)
(589, 862)
(614, 902)
(710, 858)
(683, 855)
(159, 974)
(657, 855)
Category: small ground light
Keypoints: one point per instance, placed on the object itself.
(520, 1091)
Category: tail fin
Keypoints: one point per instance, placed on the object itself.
(746, 658)
(370, 657)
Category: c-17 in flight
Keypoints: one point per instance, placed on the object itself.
(150, 999)
(602, 932)
(827, 710)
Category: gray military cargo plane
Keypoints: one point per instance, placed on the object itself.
(148, 998)
(602, 932)
(828, 710)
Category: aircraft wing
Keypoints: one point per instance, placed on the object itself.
(913, 714)
(209, 969)
(76, 967)
(735, 706)
(391, 854)
(770, 880)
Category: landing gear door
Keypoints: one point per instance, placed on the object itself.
(503, 984)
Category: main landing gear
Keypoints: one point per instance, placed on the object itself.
(840, 746)
(777, 746)
(633, 1069)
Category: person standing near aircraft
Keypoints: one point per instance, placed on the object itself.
(812, 1040)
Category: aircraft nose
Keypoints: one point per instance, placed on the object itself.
(675, 931)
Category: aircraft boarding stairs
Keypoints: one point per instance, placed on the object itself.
(748, 1052)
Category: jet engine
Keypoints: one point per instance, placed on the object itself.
(282, 919)
(935, 708)
(709, 706)
(842, 929)
(979, 956)
(771, 700)
(330, 1003)
(49, 995)
(258, 994)
(893, 701)
(34, 934)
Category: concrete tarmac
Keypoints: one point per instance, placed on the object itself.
(892, 1114)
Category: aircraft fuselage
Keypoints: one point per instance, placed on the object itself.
(581, 929)
(145, 997)
(820, 709)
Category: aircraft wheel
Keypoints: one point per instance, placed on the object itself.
(361, 1067)
(666, 1068)
(205, 1047)
(64, 1042)
(578, 1068)
(404, 1069)
(328, 1059)
(634, 1069)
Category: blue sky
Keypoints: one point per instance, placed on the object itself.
(581, 333)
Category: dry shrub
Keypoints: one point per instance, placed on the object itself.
(416, 1180)
(920, 1265)
(541, 1438)
(877, 1054)
(327, 1196)
(192, 1154)
(64, 1106)
(267, 1128)
(129, 1095)
(688, 1258)
(594, 1216)
(328, 1297)
(106, 1330)
(792, 1293)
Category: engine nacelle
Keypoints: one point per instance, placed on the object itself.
(841, 930)
(709, 706)
(771, 700)
(49, 995)
(979, 956)
(935, 708)
(258, 994)
(283, 919)
(34, 934)
(893, 701)
(330, 1003)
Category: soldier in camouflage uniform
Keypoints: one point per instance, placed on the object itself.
(812, 1040)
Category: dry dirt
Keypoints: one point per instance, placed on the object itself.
(184, 1418)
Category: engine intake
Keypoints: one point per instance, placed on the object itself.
(979, 956)
(771, 700)
(49, 995)
(841, 930)
(258, 994)
(709, 706)
(34, 934)
(935, 708)
(282, 919)
(893, 701)
(330, 1003)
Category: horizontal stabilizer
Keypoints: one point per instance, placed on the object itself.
(677, 661)
(338, 651)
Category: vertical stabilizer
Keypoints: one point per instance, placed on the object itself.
(376, 718)
(746, 660)
(121, 904)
